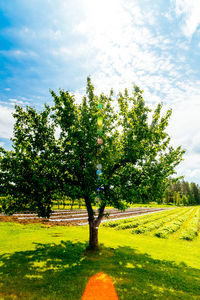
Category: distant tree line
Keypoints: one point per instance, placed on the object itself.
(182, 193)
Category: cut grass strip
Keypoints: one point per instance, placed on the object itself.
(138, 220)
(191, 231)
(143, 220)
(157, 224)
(172, 226)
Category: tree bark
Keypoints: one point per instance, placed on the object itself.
(93, 227)
(93, 224)
(72, 204)
(93, 240)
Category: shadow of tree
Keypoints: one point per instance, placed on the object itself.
(53, 271)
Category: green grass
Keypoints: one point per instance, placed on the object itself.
(51, 263)
(181, 222)
(137, 220)
(191, 228)
(173, 225)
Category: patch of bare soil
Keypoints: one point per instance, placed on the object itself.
(34, 221)
(66, 222)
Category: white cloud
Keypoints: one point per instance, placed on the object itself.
(190, 168)
(124, 50)
(190, 11)
(184, 128)
(13, 100)
(22, 102)
(6, 122)
(118, 43)
(17, 53)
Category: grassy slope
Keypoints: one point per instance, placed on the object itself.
(50, 263)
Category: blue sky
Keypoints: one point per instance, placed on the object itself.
(48, 44)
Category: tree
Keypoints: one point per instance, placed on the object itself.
(166, 196)
(194, 189)
(110, 156)
(105, 155)
(28, 173)
(185, 188)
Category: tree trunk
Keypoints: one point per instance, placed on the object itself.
(93, 240)
(72, 203)
(93, 223)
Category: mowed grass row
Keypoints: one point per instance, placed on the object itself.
(141, 220)
(173, 225)
(138, 220)
(151, 226)
(163, 224)
(191, 231)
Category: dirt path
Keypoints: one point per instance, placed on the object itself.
(76, 217)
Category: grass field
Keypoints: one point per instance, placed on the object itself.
(182, 223)
(40, 262)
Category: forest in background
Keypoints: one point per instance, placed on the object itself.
(182, 193)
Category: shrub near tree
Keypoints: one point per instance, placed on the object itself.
(105, 156)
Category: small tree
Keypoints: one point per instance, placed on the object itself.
(104, 155)
(112, 156)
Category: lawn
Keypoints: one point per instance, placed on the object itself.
(40, 262)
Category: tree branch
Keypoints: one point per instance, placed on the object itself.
(100, 215)
(118, 165)
(89, 209)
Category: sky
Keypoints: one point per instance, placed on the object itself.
(48, 44)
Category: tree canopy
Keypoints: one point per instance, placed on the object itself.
(28, 173)
(110, 151)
